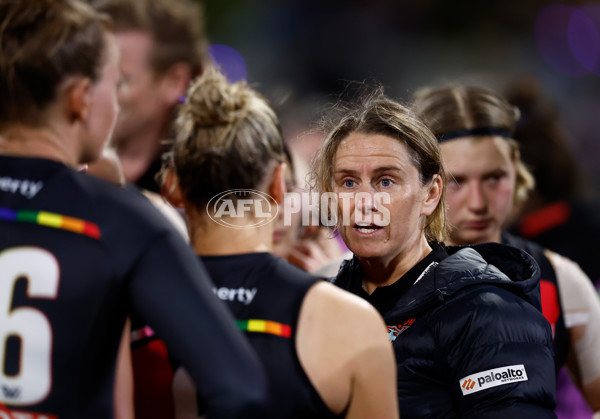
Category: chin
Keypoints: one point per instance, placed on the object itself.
(366, 252)
(89, 156)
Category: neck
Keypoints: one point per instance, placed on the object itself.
(138, 152)
(48, 143)
(209, 238)
(379, 272)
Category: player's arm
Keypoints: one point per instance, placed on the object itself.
(343, 346)
(123, 393)
(170, 291)
(373, 365)
(581, 313)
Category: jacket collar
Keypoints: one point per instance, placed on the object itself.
(490, 263)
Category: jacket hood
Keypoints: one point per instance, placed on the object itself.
(492, 263)
(466, 266)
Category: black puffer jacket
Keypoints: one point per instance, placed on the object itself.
(469, 338)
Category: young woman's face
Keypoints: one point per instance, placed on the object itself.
(375, 166)
(481, 185)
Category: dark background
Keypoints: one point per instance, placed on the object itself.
(301, 53)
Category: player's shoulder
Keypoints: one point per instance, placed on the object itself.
(121, 209)
(101, 191)
(575, 287)
(338, 306)
(568, 272)
(561, 262)
(107, 195)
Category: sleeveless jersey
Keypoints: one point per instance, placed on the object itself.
(77, 255)
(569, 228)
(551, 306)
(265, 294)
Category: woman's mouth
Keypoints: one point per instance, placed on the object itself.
(367, 229)
(478, 224)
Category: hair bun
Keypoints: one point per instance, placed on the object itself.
(211, 100)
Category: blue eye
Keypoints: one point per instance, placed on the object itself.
(348, 183)
(386, 182)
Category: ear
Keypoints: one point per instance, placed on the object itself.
(171, 190)
(433, 195)
(277, 186)
(175, 82)
(78, 98)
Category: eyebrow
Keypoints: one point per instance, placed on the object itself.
(486, 174)
(377, 170)
(388, 169)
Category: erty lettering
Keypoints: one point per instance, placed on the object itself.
(241, 294)
(27, 188)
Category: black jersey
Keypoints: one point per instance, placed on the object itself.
(265, 294)
(76, 256)
(570, 228)
(551, 305)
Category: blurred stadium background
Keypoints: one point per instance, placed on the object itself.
(301, 53)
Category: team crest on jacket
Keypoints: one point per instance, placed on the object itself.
(395, 331)
(492, 378)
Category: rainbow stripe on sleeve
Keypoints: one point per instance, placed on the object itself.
(265, 326)
(50, 219)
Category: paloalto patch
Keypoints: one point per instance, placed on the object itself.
(492, 378)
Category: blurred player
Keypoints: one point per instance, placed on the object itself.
(77, 254)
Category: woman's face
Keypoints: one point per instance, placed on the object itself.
(481, 186)
(379, 189)
(104, 106)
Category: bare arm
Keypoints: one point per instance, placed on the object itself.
(581, 308)
(123, 393)
(374, 381)
(590, 389)
(343, 346)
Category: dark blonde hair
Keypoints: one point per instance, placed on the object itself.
(42, 43)
(176, 27)
(374, 113)
(455, 108)
(227, 137)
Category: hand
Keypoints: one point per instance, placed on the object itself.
(316, 247)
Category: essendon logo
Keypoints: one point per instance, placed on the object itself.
(395, 331)
(492, 378)
(468, 384)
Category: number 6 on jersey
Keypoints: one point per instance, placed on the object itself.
(26, 380)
